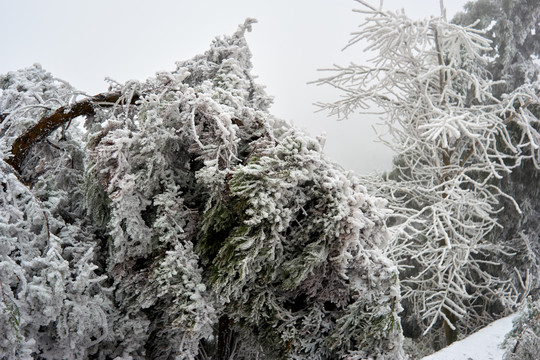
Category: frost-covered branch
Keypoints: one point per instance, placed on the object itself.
(451, 135)
(63, 115)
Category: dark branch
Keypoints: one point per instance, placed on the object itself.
(62, 115)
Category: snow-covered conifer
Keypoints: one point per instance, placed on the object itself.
(294, 252)
(513, 27)
(54, 297)
(188, 223)
(523, 342)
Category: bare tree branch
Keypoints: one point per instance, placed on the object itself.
(62, 115)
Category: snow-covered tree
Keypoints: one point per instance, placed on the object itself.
(298, 263)
(185, 222)
(428, 78)
(49, 274)
(523, 341)
(513, 27)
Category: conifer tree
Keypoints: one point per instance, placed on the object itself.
(514, 30)
(523, 341)
(185, 222)
(513, 27)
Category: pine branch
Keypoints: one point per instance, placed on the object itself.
(45, 126)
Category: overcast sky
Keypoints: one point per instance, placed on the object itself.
(83, 42)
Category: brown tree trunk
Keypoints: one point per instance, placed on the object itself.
(450, 335)
(45, 126)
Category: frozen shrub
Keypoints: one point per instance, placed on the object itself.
(523, 342)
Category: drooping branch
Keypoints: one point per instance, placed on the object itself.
(45, 126)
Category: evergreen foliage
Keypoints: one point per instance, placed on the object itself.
(513, 28)
(289, 220)
(523, 342)
(186, 222)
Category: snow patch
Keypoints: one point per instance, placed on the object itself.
(482, 345)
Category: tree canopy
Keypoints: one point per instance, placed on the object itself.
(177, 218)
(452, 134)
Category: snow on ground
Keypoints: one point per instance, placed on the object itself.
(482, 345)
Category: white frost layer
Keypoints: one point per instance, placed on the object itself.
(482, 345)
